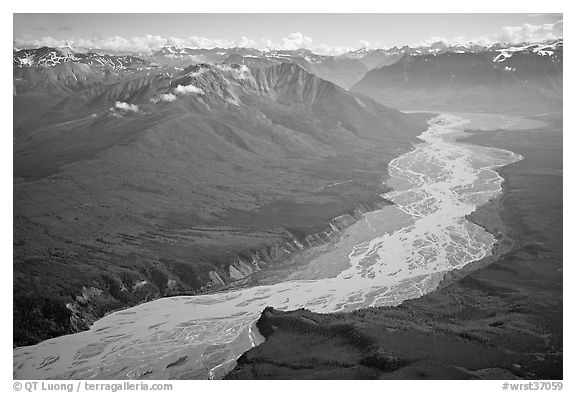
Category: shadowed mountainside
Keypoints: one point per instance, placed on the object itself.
(159, 181)
(521, 80)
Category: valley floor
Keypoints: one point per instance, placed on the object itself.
(502, 320)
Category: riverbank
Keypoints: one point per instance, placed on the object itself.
(500, 318)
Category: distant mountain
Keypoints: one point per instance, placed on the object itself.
(553, 50)
(50, 57)
(181, 179)
(44, 76)
(340, 70)
(524, 79)
(376, 58)
(345, 70)
(41, 57)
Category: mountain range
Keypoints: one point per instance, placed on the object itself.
(343, 70)
(142, 181)
(186, 170)
(524, 79)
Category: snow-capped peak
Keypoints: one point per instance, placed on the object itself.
(542, 49)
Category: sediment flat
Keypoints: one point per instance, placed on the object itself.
(500, 318)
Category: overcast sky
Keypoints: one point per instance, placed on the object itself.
(323, 33)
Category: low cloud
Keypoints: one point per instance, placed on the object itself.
(209, 43)
(296, 41)
(189, 89)
(150, 43)
(508, 34)
(365, 44)
(245, 42)
(460, 40)
(241, 72)
(371, 45)
(531, 33)
(126, 106)
(168, 97)
(329, 50)
(116, 43)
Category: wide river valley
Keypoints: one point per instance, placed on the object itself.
(399, 252)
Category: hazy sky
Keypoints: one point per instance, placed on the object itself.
(323, 32)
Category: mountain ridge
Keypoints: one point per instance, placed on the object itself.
(344, 70)
(158, 182)
(527, 79)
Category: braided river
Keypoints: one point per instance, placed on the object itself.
(401, 252)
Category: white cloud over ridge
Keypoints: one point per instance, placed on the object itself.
(531, 33)
(151, 43)
(189, 89)
(296, 41)
(126, 106)
(239, 73)
(169, 97)
(528, 33)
